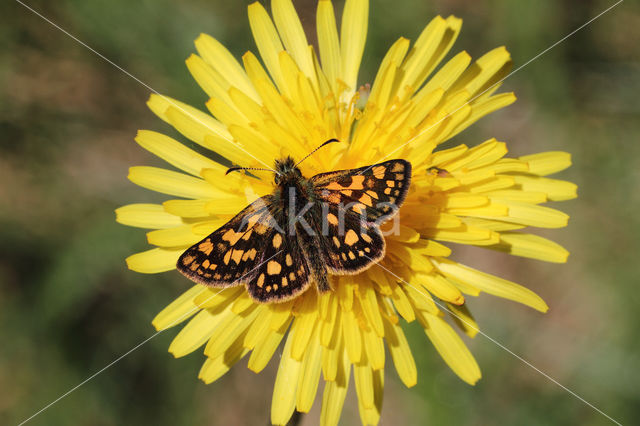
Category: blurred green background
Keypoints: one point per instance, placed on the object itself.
(69, 306)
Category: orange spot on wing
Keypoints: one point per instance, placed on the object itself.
(273, 267)
(366, 199)
(206, 247)
(378, 171)
(351, 237)
(237, 255)
(231, 236)
(277, 241)
(398, 167)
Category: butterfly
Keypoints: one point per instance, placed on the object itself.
(303, 231)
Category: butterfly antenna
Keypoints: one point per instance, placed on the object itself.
(235, 169)
(309, 155)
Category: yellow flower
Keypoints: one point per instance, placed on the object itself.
(473, 196)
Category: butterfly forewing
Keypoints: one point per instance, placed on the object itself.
(251, 249)
(230, 255)
(375, 192)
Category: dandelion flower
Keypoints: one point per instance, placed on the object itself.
(288, 103)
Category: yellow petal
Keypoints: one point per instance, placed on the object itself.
(284, 389)
(490, 284)
(401, 354)
(303, 326)
(265, 349)
(179, 310)
(174, 152)
(546, 163)
(196, 332)
(229, 329)
(267, 40)
(486, 71)
(419, 61)
(173, 237)
(281, 314)
(187, 208)
(533, 215)
(172, 183)
(154, 260)
(533, 246)
(452, 349)
(440, 287)
(293, 37)
(402, 304)
(467, 234)
(336, 391)
(216, 299)
(328, 42)
(344, 291)
(447, 75)
(556, 190)
(331, 357)
(213, 369)
(463, 319)
(310, 375)
(218, 57)
(352, 336)
(370, 308)
(371, 415)
(258, 329)
(226, 112)
(188, 120)
(373, 345)
(484, 107)
(420, 298)
(214, 84)
(150, 216)
(247, 106)
(331, 325)
(518, 195)
(353, 34)
(363, 378)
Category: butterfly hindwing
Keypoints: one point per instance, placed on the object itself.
(230, 255)
(282, 274)
(352, 244)
(375, 192)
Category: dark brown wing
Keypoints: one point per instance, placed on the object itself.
(253, 249)
(352, 244)
(283, 272)
(356, 202)
(230, 255)
(375, 192)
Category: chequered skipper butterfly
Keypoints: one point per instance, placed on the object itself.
(305, 229)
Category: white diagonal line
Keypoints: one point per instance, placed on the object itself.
(177, 321)
(470, 325)
(495, 84)
(141, 82)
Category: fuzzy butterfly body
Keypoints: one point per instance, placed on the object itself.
(306, 229)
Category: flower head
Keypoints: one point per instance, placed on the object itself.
(297, 100)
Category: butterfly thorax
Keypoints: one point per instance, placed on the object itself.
(291, 185)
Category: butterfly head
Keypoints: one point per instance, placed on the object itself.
(287, 171)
